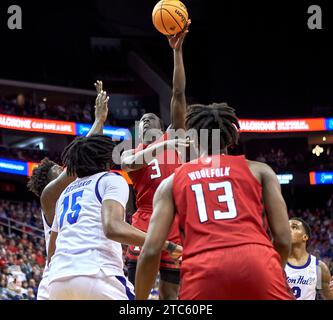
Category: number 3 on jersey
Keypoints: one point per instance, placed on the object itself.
(156, 168)
(228, 197)
(75, 208)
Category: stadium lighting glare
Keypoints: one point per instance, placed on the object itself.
(317, 150)
(324, 139)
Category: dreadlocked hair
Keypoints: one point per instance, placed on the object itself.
(86, 156)
(214, 116)
(40, 177)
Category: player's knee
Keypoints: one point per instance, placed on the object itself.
(168, 291)
(168, 295)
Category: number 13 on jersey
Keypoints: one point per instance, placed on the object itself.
(228, 198)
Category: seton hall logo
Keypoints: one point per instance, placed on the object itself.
(301, 280)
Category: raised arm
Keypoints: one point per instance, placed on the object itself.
(54, 189)
(326, 290)
(159, 228)
(276, 210)
(101, 110)
(178, 100)
(51, 193)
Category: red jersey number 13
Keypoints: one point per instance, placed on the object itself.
(228, 197)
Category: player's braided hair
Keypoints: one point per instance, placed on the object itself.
(305, 226)
(40, 177)
(214, 116)
(86, 156)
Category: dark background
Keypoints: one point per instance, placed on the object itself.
(258, 56)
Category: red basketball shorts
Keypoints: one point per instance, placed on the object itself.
(246, 272)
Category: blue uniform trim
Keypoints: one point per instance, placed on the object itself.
(96, 187)
(301, 267)
(129, 294)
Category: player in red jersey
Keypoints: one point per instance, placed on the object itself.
(152, 161)
(227, 253)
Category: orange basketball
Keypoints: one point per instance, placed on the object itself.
(169, 16)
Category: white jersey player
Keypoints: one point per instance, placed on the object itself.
(305, 273)
(304, 280)
(49, 179)
(43, 288)
(89, 225)
(86, 264)
(42, 178)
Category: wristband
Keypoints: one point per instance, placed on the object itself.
(171, 247)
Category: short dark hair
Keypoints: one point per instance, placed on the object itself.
(40, 177)
(214, 116)
(86, 156)
(306, 226)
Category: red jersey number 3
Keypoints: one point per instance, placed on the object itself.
(155, 168)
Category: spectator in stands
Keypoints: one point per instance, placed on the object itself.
(21, 105)
(261, 158)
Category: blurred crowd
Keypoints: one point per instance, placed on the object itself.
(22, 250)
(28, 154)
(69, 111)
(22, 255)
(282, 161)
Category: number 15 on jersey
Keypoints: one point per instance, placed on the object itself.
(73, 215)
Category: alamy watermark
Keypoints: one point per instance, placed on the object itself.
(14, 21)
(314, 18)
(189, 145)
(315, 21)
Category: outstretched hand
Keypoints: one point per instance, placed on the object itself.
(99, 86)
(177, 40)
(102, 100)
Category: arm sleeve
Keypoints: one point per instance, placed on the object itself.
(115, 187)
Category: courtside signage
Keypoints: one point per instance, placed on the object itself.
(321, 177)
(37, 125)
(286, 125)
(57, 127)
(25, 168)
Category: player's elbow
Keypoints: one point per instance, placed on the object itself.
(178, 92)
(283, 242)
(128, 164)
(150, 251)
(112, 231)
(125, 165)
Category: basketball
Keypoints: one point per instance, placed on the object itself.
(170, 16)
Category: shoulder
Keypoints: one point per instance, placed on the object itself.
(323, 266)
(113, 178)
(166, 185)
(263, 167)
(325, 271)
